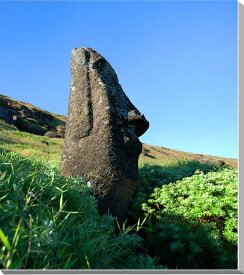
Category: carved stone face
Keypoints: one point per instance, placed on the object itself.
(103, 126)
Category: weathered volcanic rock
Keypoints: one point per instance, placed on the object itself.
(101, 138)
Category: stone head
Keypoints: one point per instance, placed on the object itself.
(103, 126)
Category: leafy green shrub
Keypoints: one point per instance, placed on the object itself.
(153, 176)
(192, 223)
(50, 222)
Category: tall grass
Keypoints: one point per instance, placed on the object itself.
(49, 222)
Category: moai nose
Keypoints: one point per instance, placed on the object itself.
(138, 122)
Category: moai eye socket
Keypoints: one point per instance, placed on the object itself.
(99, 64)
(104, 69)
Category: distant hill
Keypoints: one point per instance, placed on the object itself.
(31, 119)
(46, 131)
(158, 154)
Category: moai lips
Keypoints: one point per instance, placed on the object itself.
(101, 139)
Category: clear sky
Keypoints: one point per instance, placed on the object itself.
(176, 61)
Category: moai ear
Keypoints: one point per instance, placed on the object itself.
(80, 114)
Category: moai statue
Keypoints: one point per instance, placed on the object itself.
(101, 139)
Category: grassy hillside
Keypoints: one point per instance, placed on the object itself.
(28, 144)
(184, 214)
(29, 118)
(32, 145)
(20, 105)
(156, 155)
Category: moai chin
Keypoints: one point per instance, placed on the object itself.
(101, 139)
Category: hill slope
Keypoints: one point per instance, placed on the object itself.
(183, 216)
(29, 118)
(23, 126)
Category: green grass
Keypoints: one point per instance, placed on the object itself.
(49, 222)
(184, 214)
(30, 145)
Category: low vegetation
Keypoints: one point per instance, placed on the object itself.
(192, 222)
(48, 222)
(184, 215)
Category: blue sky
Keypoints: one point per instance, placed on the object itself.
(176, 61)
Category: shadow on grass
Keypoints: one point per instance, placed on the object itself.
(5, 126)
(153, 176)
(6, 141)
(181, 243)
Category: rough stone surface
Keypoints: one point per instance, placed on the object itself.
(101, 138)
